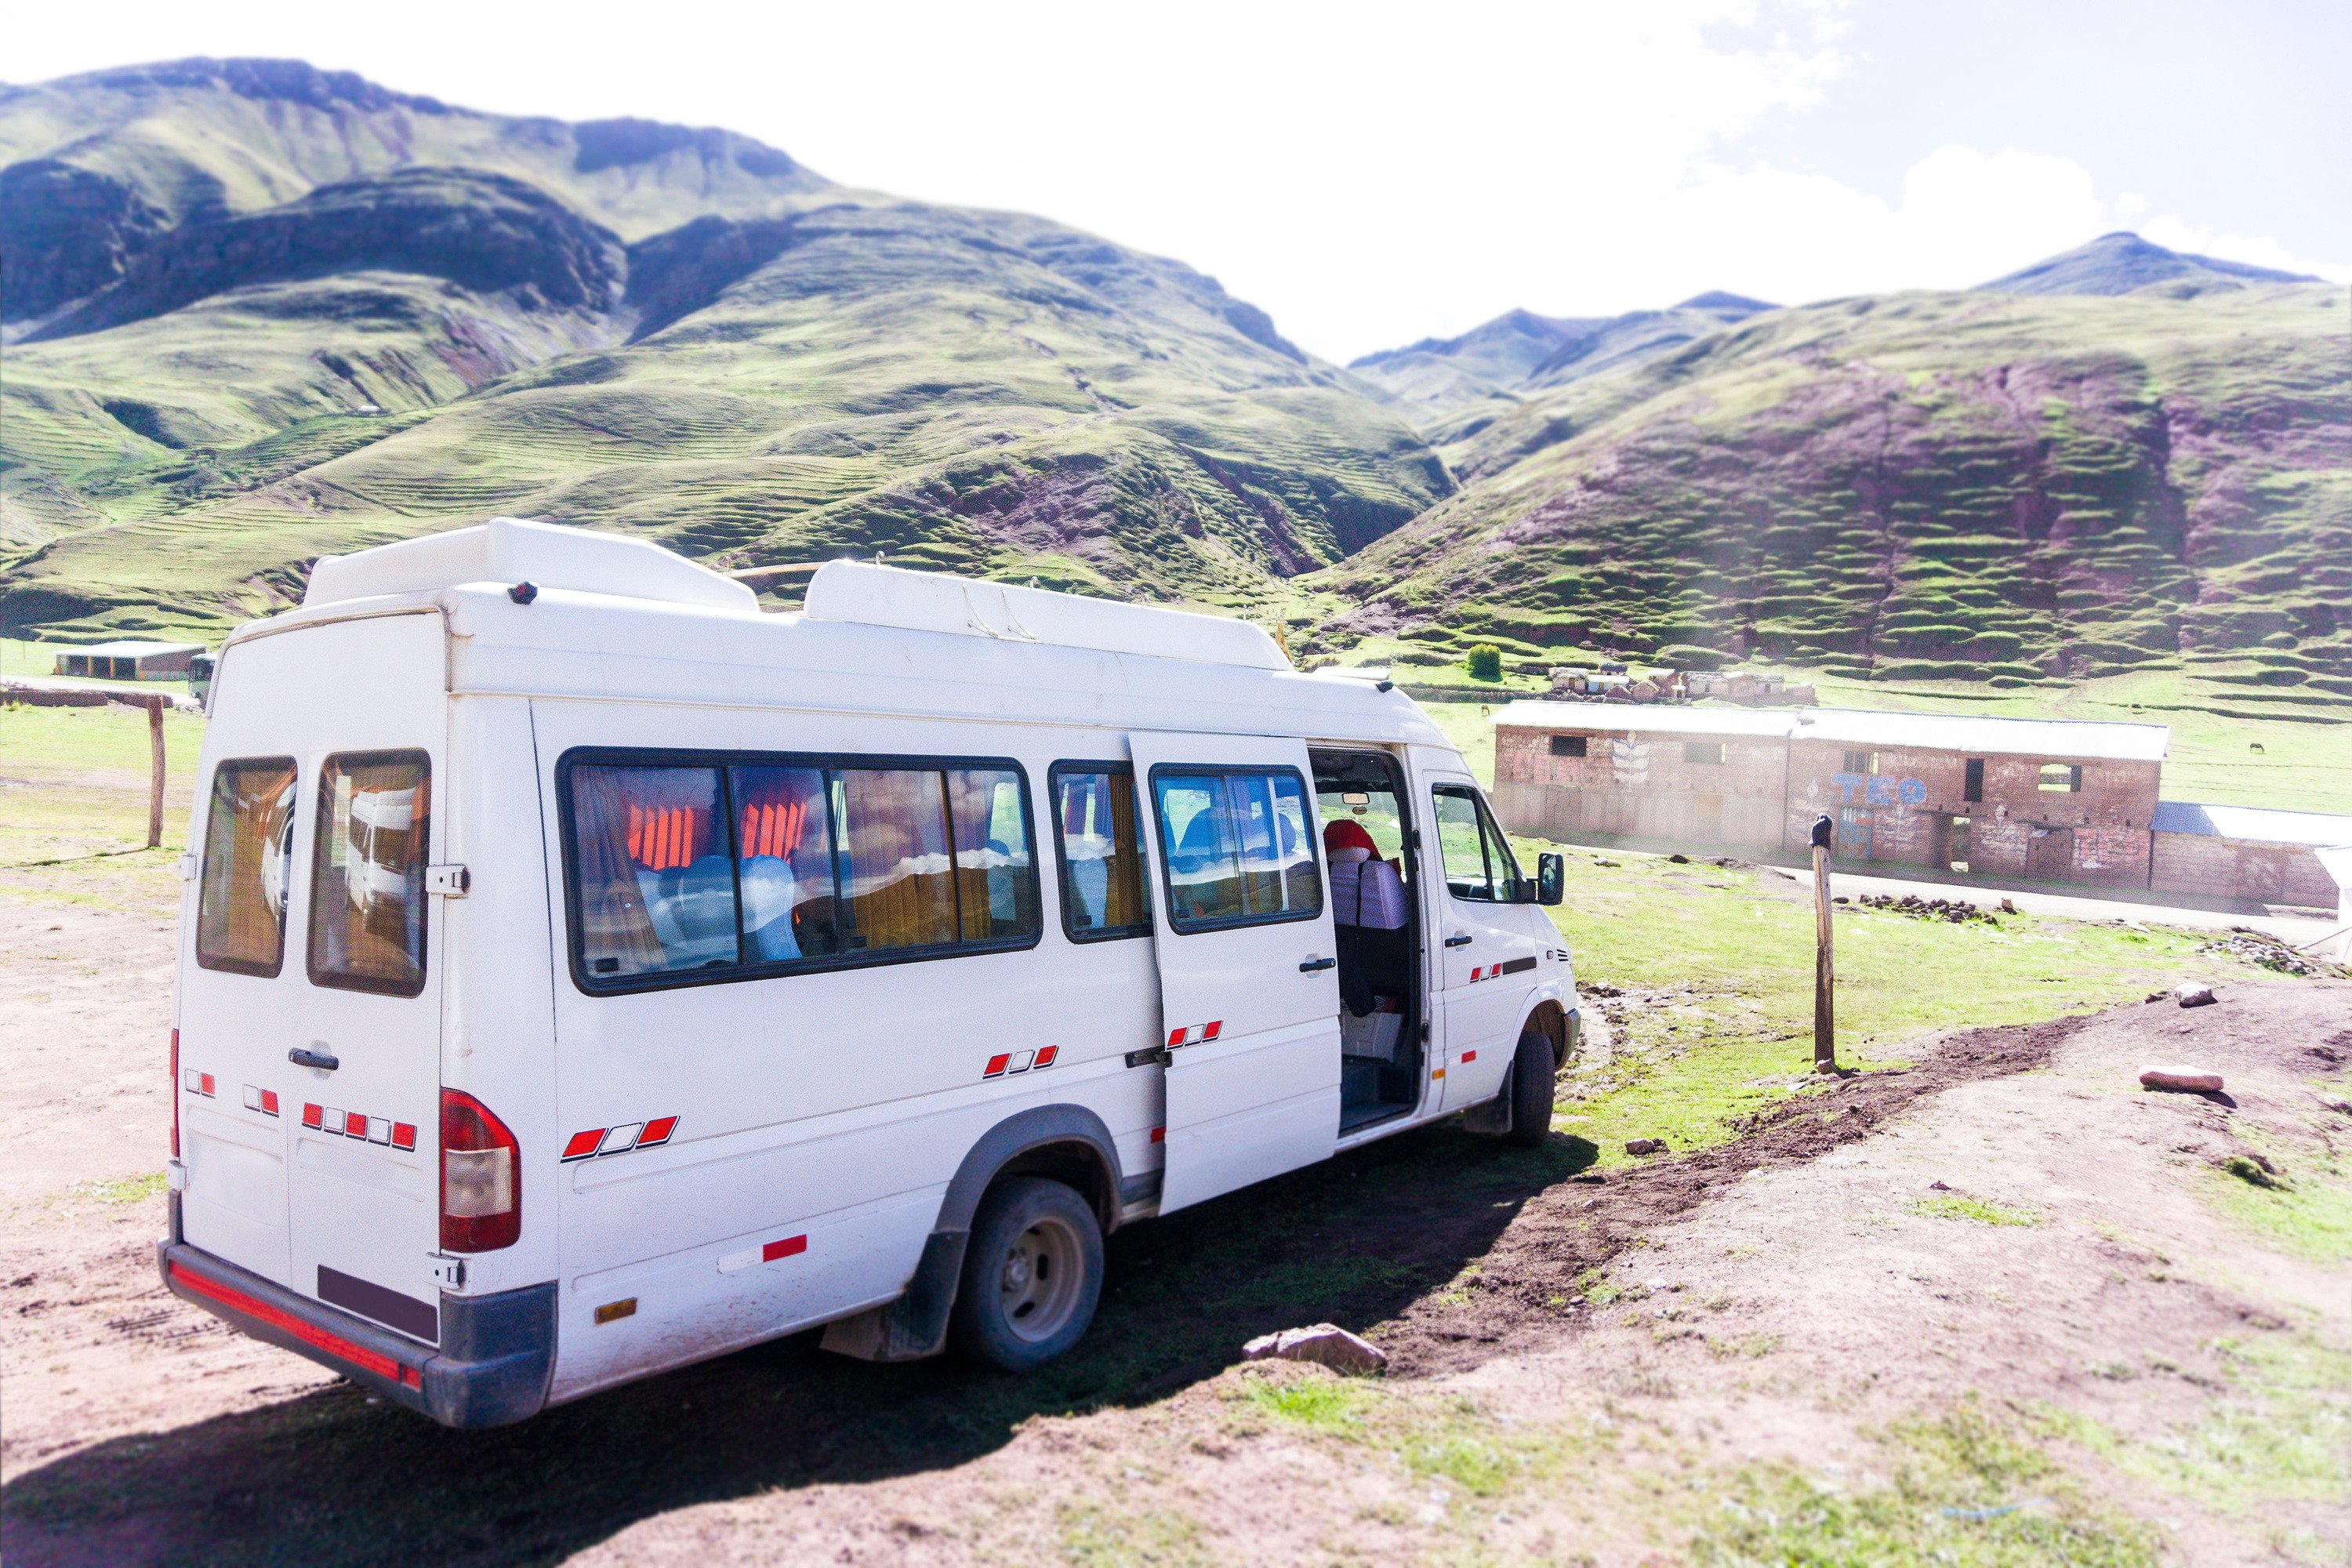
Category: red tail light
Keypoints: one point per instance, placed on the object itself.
(481, 1177)
(176, 1094)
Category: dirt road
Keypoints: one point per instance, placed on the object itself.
(2091, 1330)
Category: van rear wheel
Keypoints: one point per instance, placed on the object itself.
(1531, 1092)
(1032, 1275)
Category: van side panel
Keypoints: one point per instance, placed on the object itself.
(498, 1039)
(820, 1115)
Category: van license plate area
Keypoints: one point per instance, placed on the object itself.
(417, 1319)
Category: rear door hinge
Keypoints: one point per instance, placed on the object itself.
(449, 881)
(448, 1272)
(187, 868)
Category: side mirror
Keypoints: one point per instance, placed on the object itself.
(1551, 879)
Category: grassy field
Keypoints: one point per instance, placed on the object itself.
(73, 807)
(1716, 964)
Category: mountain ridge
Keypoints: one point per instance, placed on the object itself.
(240, 340)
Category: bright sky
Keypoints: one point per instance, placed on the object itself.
(1373, 172)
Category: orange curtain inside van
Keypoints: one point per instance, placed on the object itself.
(622, 822)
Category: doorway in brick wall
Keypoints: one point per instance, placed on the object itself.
(2050, 854)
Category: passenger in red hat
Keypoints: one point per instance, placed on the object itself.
(1341, 836)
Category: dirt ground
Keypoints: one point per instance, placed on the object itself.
(1585, 1366)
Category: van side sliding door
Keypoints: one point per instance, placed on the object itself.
(1243, 934)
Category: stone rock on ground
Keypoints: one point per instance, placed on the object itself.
(1328, 1344)
(2181, 1080)
(2194, 995)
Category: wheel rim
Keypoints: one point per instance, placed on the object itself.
(1037, 1288)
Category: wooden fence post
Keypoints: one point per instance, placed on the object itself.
(156, 771)
(1824, 970)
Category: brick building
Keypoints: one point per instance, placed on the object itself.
(2009, 799)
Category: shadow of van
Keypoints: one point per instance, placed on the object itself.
(333, 1477)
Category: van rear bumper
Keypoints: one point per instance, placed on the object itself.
(496, 1355)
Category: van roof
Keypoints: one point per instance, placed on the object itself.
(510, 549)
(620, 619)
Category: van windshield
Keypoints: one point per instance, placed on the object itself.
(367, 881)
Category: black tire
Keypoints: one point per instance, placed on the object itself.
(1032, 1275)
(1531, 1091)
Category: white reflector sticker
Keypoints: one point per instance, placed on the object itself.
(621, 1140)
(379, 1128)
(334, 1123)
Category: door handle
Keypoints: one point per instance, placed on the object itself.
(1312, 964)
(301, 1058)
(1457, 941)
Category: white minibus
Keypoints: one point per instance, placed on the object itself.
(583, 972)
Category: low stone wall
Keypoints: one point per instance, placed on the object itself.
(2242, 868)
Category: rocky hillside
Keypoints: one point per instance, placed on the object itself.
(1996, 484)
(259, 312)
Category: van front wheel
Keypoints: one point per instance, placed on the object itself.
(1531, 1092)
(1032, 1275)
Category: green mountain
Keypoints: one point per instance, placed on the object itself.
(255, 313)
(1972, 485)
(1436, 380)
(258, 313)
(2125, 263)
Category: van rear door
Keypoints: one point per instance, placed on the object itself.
(354, 1056)
(1248, 980)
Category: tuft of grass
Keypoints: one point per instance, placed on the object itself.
(120, 1189)
(2278, 1433)
(1977, 1209)
(1093, 1536)
(2310, 1217)
(1330, 1404)
(1964, 1493)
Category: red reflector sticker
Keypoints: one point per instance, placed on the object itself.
(1159, 1135)
(996, 1066)
(204, 1084)
(1469, 1057)
(355, 1124)
(384, 1366)
(787, 1247)
(658, 1130)
(584, 1144)
(1211, 1032)
(268, 1102)
(412, 1377)
(1046, 1054)
(313, 1116)
(403, 1135)
(1175, 1039)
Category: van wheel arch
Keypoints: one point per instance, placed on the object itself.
(1549, 1019)
(1067, 1144)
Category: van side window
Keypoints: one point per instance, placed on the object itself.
(657, 877)
(750, 864)
(996, 883)
(249, 852)
(367, 872)
(1236, 847)
(1102, 862)
(1478, 863)
(784, 837)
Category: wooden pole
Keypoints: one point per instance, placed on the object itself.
(156, 771)
(1824, 970)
